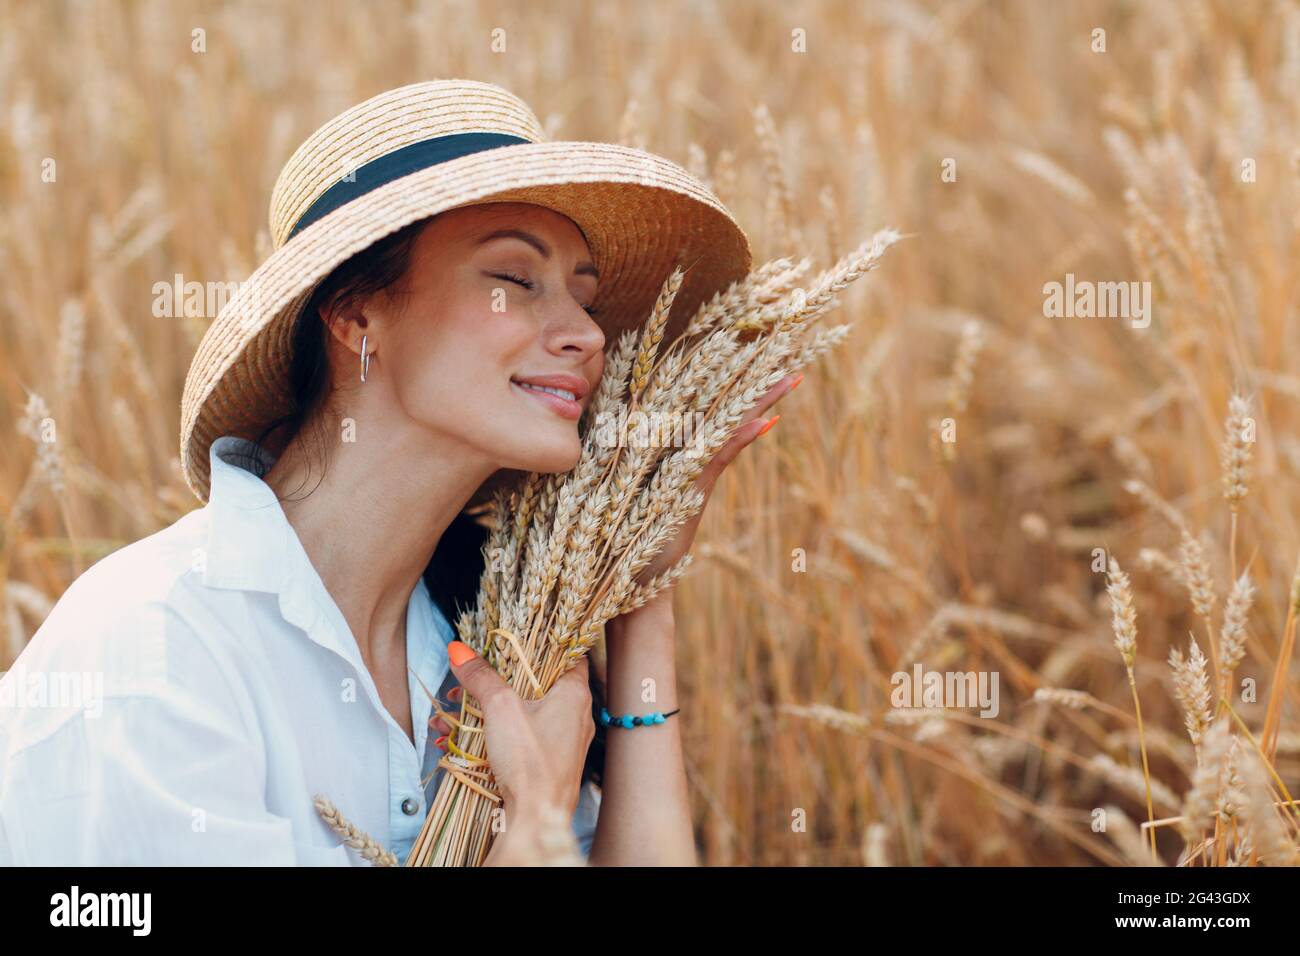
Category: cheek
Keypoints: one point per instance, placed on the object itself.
(455, 365)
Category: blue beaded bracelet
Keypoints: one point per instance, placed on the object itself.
(628, 721)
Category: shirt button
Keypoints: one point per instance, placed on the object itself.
(410, 806)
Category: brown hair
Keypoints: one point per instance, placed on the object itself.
(454, 570)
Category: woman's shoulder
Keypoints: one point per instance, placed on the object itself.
(145, 568)
(139, 623)
(117, 614)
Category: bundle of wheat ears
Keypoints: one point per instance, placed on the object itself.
(565, 551)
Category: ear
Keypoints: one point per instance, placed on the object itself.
(345, 318)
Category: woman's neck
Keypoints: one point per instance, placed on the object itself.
(369, 513)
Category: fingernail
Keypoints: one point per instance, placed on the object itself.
(441, 742)
(796, 382)
(770, 422)
(459, 653)
(454, 694)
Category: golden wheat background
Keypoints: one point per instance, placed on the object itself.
(1123, 165)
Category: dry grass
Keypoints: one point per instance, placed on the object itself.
(1072, 434)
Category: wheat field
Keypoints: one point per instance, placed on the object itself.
(969, 483)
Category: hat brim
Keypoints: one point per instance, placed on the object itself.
(641, 215)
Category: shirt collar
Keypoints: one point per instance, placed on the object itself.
(252, 546)
(248, 535)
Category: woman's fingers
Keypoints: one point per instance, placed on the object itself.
(440, 724)
(774, 395)
(441, 727)
(752, 425)
(575, 681)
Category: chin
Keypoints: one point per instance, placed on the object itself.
(552, 456)
(559, 462)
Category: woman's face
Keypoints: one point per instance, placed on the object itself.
(492, 309)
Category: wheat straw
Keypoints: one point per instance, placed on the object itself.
(572, 548)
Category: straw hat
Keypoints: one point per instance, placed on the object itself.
(417, 151)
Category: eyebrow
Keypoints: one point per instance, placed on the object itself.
(582, 269)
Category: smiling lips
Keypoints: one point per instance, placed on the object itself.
(561, 393)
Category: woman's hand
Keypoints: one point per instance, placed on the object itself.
(753, 424)
(537, 748)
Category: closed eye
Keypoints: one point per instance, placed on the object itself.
(520, 280)
(508, 277)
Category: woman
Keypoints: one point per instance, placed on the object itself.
(432, 321)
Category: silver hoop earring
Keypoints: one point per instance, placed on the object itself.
(365, 359)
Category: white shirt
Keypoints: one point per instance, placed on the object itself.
(190, 693)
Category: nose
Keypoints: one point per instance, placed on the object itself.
(577, 331)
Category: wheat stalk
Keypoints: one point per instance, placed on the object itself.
(367, 845)
(568, 552)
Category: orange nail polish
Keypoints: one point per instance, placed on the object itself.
(770, 422)
(459, 653)
(796, 382)
(441, 742)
